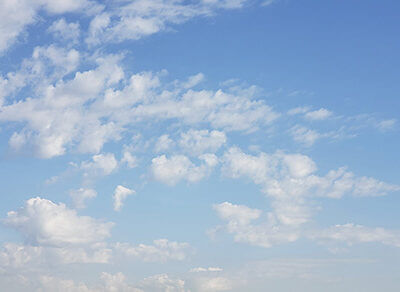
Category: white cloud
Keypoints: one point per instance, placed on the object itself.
(241, 215)
(193, 81)
(129, 159)
(299, 165)
(265, 233)
(80, 196)
(58, 117)
(16, 15)
(352, 234)
(120, 194)
(298, 110)
(101, 164)
(46, 223)
(289, 180)
(65, 31)
(162, 250)
(305, 136)
(109, 282)
(196, 142)
(142, 18)
(386, 125)
(87, 111)
(318, 115)
(215, 284)
(164, 143)
(58, 57)
(178, 167)
(209, 269)
(30, 257)
(49, 283)
(162, 283)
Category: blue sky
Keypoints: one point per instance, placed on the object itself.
(205, 145)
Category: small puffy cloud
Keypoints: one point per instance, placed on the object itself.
(196, 142)
(299, 165)
(80, 196)
(178, 167)
(162, 250)
(65, 60)
(120, 194)
(303, 135)
(101, 164)
(64, 30)
(240, 219)
(242, 215)
(43, 222)
(318, 115)
(129, 159)
(164, 143)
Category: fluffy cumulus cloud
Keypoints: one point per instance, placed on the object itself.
(57, 117)
(46, 223)
(120, 194)
(101, 164)
(239, 222)
(196, 142)
(92, 108)
(65, 31)
(179, 167)
(289, 180)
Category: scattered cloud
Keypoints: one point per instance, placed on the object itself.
(178, 167)
(80, 196)
(321, 114)
(162, 250)
(120, 194)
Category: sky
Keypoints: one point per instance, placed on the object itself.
(199, 145)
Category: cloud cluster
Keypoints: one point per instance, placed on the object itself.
(91, 109)
(289, 180)
(15, 15)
